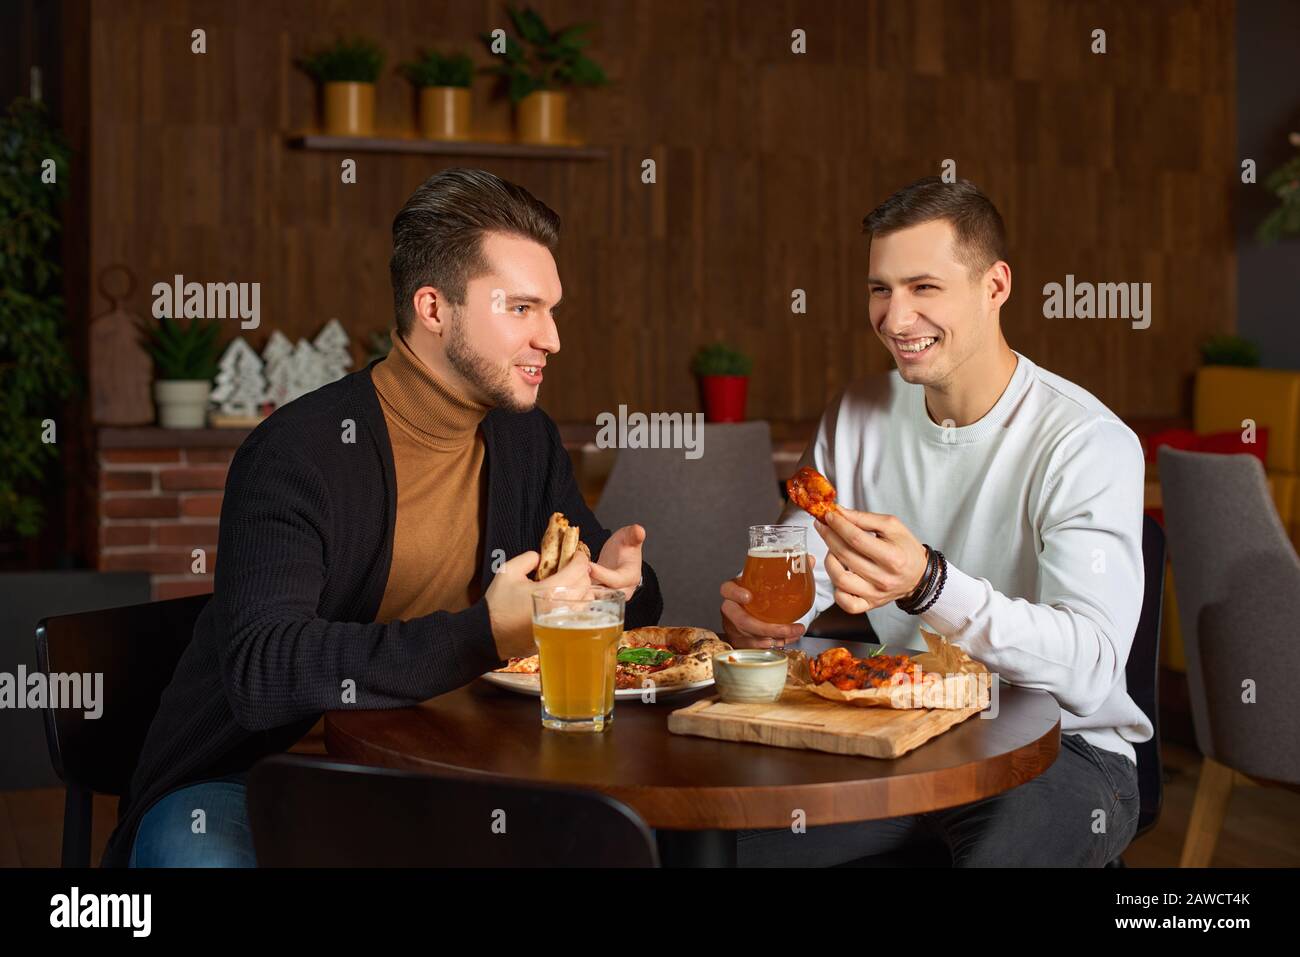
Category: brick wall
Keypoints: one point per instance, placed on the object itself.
(156, 507)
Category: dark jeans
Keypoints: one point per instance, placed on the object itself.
(1080, 812)
(166, 836)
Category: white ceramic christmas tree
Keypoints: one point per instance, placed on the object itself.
(335, 350)
(306, 370)
(240, 384)
(277, 368)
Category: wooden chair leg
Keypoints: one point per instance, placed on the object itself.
(1208, 810)
(78, 808)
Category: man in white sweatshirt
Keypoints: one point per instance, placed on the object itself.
(1027, 494)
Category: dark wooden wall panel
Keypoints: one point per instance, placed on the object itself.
(1117, 167)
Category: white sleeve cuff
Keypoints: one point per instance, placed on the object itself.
(959, 602)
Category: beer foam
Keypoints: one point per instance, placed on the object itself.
(775, 551)
(566, 618)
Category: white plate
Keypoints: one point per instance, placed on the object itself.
(532, 685)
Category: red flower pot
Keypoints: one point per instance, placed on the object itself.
(724, 397)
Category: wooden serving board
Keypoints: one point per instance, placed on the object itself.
(803, 720)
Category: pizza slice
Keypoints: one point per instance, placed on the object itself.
(560, 542)
(522, 666)
(667, 656)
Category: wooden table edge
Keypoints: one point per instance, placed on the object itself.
(714, 808)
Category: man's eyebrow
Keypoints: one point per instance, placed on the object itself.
(907, 281)
(532, 300)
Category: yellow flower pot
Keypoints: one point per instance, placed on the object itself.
(349, 109)
(444, 112)
(540, 118)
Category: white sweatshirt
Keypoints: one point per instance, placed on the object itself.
(1038, 509)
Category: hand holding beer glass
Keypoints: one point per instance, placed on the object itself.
(577, 632)
(774, 590)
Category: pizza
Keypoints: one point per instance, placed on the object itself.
(560, 542)
(666, 656)
(812, 492)
(659, 655)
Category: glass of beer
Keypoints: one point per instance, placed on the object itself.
(577, 632)
(777, 573)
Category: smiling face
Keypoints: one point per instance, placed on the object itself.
(932, 313)
(497, 342)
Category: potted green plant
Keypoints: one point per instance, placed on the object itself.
(724, 381)
(538, 68)
(443, 83)
(346, 72)
(185, 362)
(1284, 183)
(36, 371)
(1229, 350)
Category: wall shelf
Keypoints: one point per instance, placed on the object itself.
(385, 144)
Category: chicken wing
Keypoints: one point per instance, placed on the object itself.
(812, 492)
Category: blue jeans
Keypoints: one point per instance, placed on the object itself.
(166, 836)
(1080, 812)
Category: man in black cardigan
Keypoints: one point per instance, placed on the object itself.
(311, 513)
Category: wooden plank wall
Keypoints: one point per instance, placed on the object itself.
(1114, 167)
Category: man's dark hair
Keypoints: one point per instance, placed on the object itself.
(980, 236)
(438, 234)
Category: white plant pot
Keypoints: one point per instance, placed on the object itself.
(182, 404)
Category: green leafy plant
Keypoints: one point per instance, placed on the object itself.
(719, 359)
(182, 352)
(355, 60)
(1227, 350)
(542, 59)
(1284, 183)
(435, 69)
(36, 371)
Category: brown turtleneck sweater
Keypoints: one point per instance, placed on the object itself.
(441, 506)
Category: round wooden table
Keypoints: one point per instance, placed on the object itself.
(698, 791)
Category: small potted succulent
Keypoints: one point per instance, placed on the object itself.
(347, 72)
(538, 68)
(185, 362)
(724, 382)
(443, 84)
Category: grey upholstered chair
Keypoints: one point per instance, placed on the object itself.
(1237, 579)
(696, 512)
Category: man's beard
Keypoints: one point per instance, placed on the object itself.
(492, 381)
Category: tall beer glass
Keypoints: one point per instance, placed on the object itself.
(577, 632)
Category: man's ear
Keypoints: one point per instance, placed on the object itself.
(997, 283)
(431, 309)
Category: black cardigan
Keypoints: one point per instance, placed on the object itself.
(304, 551)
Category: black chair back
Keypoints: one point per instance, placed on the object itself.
(136, 649)
(313, 812)
(1142, 673)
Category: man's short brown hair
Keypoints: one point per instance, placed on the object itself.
(980, 236)
(438, 234)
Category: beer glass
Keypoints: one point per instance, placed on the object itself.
(777, 573)
(577, 632)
